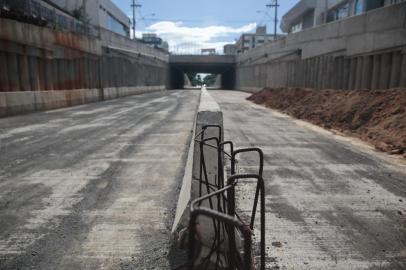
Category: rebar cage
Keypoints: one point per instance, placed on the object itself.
(230, 235)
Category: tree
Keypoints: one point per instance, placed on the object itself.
(210, 79)
(195, 79)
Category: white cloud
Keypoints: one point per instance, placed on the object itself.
(181, 37)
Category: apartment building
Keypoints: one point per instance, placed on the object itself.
(310, 13)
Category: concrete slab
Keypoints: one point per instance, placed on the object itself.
(93, 186)
(331, 203)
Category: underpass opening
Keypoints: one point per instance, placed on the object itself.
(210, 80)
(223, 66)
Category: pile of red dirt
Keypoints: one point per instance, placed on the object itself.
(375, 116)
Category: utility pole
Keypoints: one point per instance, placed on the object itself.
(274, 4)
(134, 6)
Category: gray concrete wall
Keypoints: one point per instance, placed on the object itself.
(35, 59)
(361, 52)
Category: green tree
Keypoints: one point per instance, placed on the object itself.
(195, 79)
(210, 79)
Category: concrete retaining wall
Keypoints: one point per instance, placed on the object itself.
(367, 51)
(36, 59)
(12, 103)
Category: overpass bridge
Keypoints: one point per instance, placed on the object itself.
(223, 65)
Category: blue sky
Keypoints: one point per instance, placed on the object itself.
(189, 25)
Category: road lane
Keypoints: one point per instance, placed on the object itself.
(93, 186)
(329, 204)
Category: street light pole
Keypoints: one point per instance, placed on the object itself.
(275, 5)
(134, 6)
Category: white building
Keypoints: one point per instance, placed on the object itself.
(249, 41)
(310, 13)
(101, 13)
(230, 49)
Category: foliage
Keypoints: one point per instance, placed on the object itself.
(196, 79)
(210, 79)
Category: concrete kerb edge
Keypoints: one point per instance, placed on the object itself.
(185, 191)
(186, 188)
(208, 110)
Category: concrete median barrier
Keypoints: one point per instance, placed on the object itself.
(209, 113)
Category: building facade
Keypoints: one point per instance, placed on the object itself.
(100, 13)
(230, 49)
(252, 40)
(310, 13)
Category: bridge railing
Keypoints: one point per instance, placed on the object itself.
(190, 48)
(186, 52)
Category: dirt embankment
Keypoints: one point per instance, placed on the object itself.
(376, 116)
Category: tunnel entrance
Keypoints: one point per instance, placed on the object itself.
(221, 65)
(199, 79)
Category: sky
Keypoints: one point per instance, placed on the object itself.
(188, 25)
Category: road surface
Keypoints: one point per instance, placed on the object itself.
(93, 186)
(330, 205)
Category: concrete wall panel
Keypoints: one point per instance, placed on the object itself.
(357, 52)
(23, 72)
(3, 104)
(395, 69)
(376, 71)
(366, 72)
(403, 71)
(386, 62)
(20, 102)
(13, 73)
(39, 58)
(385, 19)
(4, 86)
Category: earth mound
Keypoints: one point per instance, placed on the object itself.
(375, 116)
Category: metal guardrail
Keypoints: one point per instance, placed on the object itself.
(34, 12)
(225, 253)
